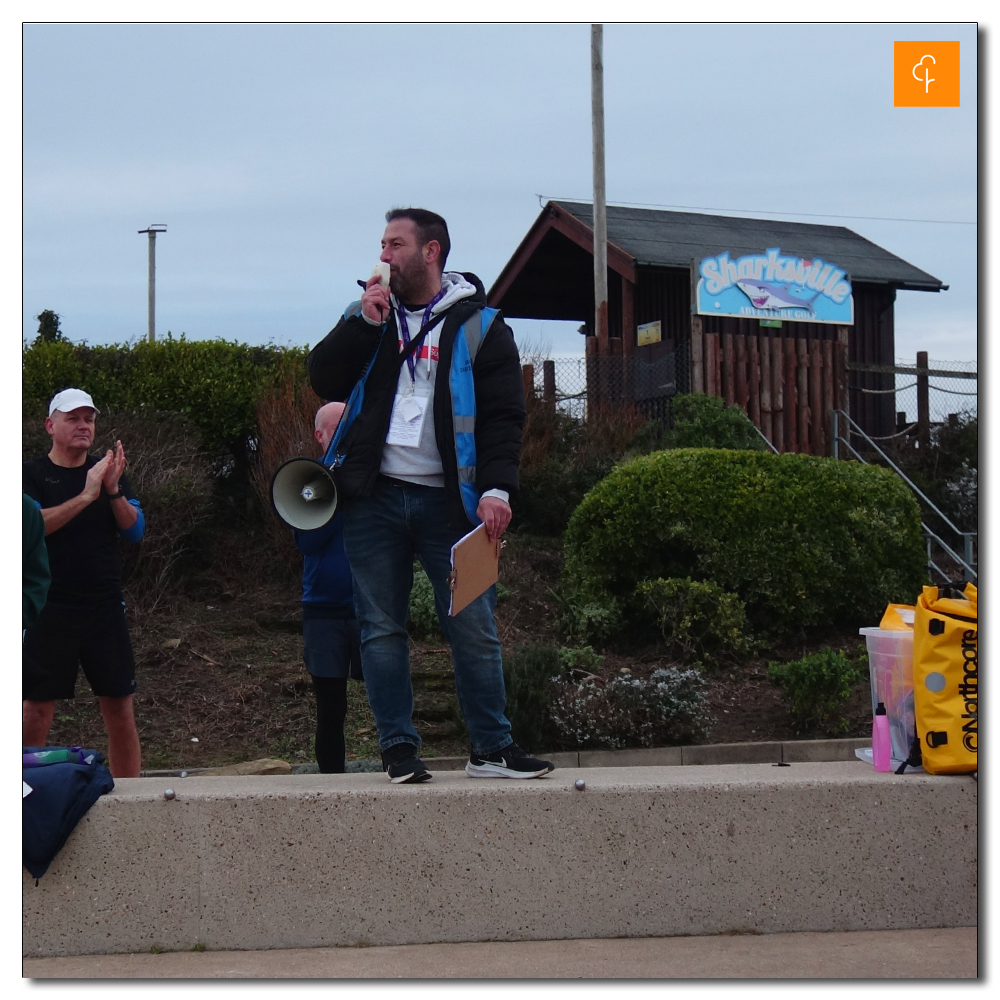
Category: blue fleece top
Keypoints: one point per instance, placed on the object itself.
(327, 589)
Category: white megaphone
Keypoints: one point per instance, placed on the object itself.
(303, 494)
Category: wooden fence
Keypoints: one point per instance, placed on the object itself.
(788, 385)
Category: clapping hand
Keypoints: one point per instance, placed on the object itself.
(95, 477)
(115, 467)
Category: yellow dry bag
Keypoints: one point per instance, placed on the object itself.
(946, 679)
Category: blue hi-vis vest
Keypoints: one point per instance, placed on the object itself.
(468, 340)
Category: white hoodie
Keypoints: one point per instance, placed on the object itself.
(422, 465)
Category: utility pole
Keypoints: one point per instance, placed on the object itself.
(152, 230)
(600, 210)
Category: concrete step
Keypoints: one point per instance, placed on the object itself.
(941, 953)
(331, 860)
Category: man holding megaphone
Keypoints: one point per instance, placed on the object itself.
(427, 450)
(331, 641)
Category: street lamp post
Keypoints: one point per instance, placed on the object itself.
(152, 230)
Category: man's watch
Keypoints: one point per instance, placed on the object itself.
(114, 496)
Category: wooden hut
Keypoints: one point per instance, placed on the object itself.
(801, 326)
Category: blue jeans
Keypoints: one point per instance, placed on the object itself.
(383, 533)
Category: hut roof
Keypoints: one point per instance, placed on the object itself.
(672, 239)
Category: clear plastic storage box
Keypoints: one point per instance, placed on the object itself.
(890, 665)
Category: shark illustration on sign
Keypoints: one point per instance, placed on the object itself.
(766, 295)
(772, 285)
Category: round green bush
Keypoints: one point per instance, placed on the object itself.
(801, 540)
(702, 421)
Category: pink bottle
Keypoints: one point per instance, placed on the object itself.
(881, 742)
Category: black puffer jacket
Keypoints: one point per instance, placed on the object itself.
(337, 362)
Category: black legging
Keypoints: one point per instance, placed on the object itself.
(331, 710)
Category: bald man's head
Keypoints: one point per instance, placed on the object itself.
(327, 418)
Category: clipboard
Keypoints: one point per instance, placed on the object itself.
(475, 567)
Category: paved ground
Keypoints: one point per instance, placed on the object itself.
(949, 953)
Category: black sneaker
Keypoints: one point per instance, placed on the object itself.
(509, 762)
(402, 764)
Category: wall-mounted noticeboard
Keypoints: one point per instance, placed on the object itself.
(775, 287)
(649, 333)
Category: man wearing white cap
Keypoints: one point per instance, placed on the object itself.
(86, 502)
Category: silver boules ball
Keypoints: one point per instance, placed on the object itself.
(580, 784)
(169, 793)
(184, 774)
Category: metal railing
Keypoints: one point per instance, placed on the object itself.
(967, 560)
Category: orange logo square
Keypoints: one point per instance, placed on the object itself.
(925, 75)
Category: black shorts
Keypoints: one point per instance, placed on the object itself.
(69, 636)
(331, 647)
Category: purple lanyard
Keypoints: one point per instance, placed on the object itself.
(404, 331)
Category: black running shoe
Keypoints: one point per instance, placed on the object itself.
(509, 762)
(402, 764)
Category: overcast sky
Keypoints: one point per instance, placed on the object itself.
(272, 152)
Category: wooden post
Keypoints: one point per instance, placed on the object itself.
(765, 390)
(791, 395)
(923, 404)
(549, 382)
(712, 364)
(841, 393)
(753, 389)
(593, 362)
(728, 390)
(777, 393)
(817, 415)
(802, 384)
(528, 374)
(740, 371)
(613, 371)
(828, 395)
(697, 355)
(629, 345)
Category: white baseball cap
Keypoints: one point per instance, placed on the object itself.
(71, 399)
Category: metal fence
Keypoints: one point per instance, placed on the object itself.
(952, 393)
(955, 392)
(568, 382)
(952, 386)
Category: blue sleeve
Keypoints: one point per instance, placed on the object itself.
(135, 533)
(313, 543)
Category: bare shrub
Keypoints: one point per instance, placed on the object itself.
(170, 475)
(609, 430)
(562, 457)
(286, 412)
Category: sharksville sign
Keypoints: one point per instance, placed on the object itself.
(770, 286)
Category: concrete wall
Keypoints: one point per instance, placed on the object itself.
(311, 860)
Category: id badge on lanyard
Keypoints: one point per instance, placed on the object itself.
(407, 421)
(409, 410)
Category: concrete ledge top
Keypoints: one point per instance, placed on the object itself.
(452, 783)
(789, 751)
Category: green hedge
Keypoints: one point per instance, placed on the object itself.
(801, 540)
(701, 421)
(215, 383)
